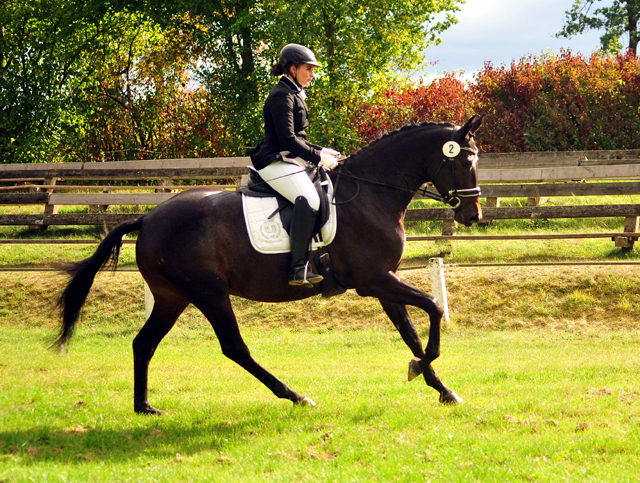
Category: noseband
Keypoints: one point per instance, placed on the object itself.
(452, 198)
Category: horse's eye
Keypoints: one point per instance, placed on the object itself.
(466, 162)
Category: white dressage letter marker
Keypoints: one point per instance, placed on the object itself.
(451, 149)
(438, 285)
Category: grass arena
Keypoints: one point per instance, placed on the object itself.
(545, 358)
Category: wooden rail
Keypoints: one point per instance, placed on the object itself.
(201, 168)
(535, 176)
(162, 170)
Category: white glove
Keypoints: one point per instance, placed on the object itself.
(337, 154)
(329, 158)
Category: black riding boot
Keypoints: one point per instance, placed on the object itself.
(302, 222)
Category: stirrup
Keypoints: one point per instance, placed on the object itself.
(301, 275)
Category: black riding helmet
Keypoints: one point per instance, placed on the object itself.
(297, 54)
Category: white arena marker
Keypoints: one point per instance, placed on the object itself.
(438, 285)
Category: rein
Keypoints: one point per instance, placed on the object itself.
(452, 198)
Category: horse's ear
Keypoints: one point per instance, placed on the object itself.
(470, 127)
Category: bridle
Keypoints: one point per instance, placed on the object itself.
(452, 198)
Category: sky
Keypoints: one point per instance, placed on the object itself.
(502, 30)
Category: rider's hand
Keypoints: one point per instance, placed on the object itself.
(329, 158)
(337, 154)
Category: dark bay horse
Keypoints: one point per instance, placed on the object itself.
(194, 248)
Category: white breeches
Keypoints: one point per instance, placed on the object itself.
(291, 181)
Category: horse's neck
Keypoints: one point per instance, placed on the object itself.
(391, 184)
(396, 166)
(398, 157)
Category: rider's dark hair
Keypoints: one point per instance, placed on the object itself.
(279, 69)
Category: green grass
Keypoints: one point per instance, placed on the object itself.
(546, 359)
(416, 253)
(538, 407)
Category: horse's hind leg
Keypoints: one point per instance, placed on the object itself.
(217, 309)
(422, 362)
(166, 310)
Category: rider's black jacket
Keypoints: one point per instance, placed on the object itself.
(285, 124)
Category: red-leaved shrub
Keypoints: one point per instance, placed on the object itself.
(551, 102)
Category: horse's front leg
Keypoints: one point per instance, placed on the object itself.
(394, 295)
(402, 321)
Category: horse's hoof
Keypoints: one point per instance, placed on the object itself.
(450, 398)
(149, 409)
(414, 369)
(305, 401)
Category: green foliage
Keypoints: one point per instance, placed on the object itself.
(362, 47)
(616, 20)
(143, 102)
(139, 80)
(42, 45)
(233, 38)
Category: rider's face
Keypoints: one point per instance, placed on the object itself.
(303, 74)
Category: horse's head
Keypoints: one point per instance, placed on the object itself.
(456, 176)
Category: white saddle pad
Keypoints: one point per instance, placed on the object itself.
(268, 236)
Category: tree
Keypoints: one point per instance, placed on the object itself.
(363, 46)
(618, 19)
(61, 61)
(142, 102)
(42, 46)
(360, 44)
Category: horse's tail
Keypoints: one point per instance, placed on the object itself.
(83, 273)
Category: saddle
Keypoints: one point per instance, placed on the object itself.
(259, 188)
(268, 218)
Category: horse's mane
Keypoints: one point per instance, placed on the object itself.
(401, 130)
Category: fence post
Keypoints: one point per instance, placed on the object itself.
(490, 203)
(148, 301)
(48, 209)
(447, 227)
(438, 285)
(630, 226)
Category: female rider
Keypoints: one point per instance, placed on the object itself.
(284, 153)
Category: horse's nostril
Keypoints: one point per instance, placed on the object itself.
(473, 219)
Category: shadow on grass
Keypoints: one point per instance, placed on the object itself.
(54, 232)
(161, 439)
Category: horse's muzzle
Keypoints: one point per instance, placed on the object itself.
(469, 214)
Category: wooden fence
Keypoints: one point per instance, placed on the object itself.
(535, 176)
(539, 176)
(43, 185)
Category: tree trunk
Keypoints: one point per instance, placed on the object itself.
(632, 18)
(329, 32)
